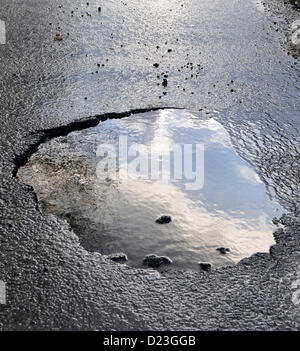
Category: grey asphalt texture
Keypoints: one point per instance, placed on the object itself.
(105, 64)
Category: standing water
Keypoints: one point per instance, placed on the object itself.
(225, 205)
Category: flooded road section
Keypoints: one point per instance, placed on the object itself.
(113, 181)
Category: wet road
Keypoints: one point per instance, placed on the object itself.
(224, 60)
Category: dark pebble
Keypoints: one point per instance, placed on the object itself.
(205, 266)
(156, 261)
(118, 257)
(164, 220)
(223, 250)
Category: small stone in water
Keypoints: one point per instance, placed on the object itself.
(118, 257)
(164, 220)
(156, 261)
(205, 266)
(223, 250)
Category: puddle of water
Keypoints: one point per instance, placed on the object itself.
(231, 210)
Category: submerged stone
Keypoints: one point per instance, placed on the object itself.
(223, 250)
(164, 220)
(118, 257)
(156, 261)
(205, 266)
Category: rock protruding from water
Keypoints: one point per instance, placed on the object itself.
(156, 261)
(223, 250)
(164, 220)
(118, 257)
(205, 266)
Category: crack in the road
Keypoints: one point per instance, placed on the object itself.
(47, 134)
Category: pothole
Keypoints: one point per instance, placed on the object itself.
(227, 218)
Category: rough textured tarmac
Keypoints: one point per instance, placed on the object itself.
(52, 282)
